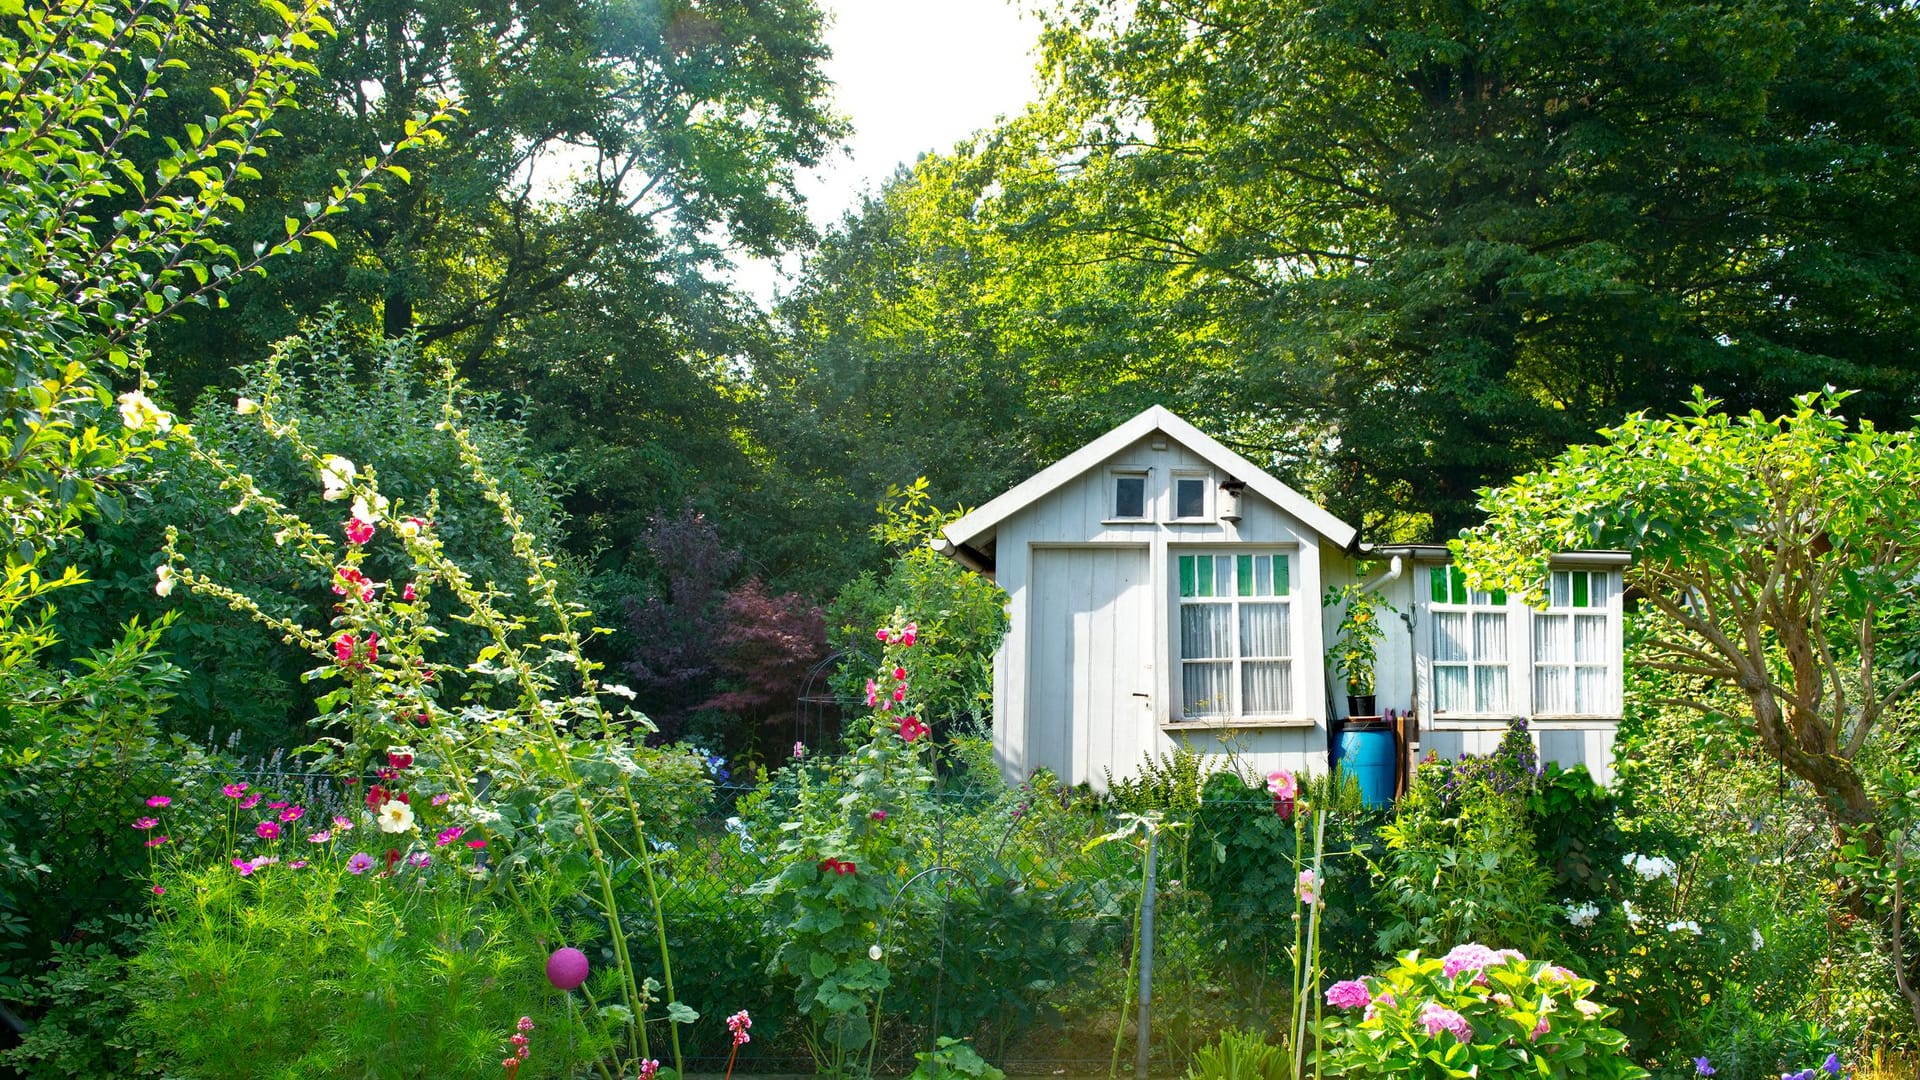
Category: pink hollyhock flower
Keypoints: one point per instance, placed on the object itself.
(159, 800)
(293, 813)
(320, 837)
(799, 750)
(359, 532)
(738, 1023)
(911, 729)
(408, 593)
(267, 830)
(1349, 994)
(250, 801)
(360, 863)
(883, 634)
(158, 840)
(348, 579)
(900, 674)
(913, 631)
(1437, 1018)
(400, 760)
(145, 822)
(1283, 785)
(1308, 887)
(873, 694)
(233, 791)
(899, 693)
(448, 836)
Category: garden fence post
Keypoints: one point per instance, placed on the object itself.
(1143, 1042)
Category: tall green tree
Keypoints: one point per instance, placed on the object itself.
(1457, 238)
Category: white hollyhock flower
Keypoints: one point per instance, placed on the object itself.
(336, 473)
(165, 586)
(138, 413)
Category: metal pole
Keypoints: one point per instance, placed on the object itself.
(1143, 1042)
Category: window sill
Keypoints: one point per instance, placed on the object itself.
(1241, 724)
(1126, 521)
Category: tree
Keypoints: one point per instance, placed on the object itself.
(1777, 557)
(1456, 238)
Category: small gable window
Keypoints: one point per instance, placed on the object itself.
(1189, 497)
(1130, 496)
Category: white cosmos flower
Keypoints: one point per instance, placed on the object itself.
(336, 473)
(396, 817)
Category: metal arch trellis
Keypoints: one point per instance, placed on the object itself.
(818, 710)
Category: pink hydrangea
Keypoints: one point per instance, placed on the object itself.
(1473, 957)
(1349, 994)
(1437, 1018)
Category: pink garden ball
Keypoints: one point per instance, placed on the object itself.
(567, 968)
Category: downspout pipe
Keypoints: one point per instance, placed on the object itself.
(1394, 569)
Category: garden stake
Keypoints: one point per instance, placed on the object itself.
(1143, 1027)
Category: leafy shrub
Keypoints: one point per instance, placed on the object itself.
(1240, 1055)
(951, 1059)
(1170, 782)
(1473, 1012)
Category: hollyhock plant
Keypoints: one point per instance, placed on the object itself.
(1477, 1011)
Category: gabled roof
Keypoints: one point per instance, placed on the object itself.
(981, 523)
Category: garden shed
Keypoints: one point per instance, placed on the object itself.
(1164, 589)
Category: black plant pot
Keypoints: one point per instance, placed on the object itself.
(1360, 705)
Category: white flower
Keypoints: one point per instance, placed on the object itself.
(280, 538)
(1587, 1008)
(1688, 925)
(1633, 916)
(1583, 914)
(1650, 867)
(1758, 941)
(336, 473)
(396, 817)
(369, 512)
(138, 413)
(246, 406)
(238, 508)
(165, 587)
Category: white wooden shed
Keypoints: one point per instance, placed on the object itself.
(1161, 587)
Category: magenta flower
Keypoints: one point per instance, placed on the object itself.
(344, 824)
(913, 630)
(911, 729)
(409, 593)
(1349, 994)
(159, 800)
(233, 791)
(145, 822)
(1438, 1018)
(296, 864)
(1282, 784)
(360, 863)
(900, 674)
(279, 804)
(649, 1069)
(293, 813)
(899, 693)
(525, 1024)
(873, 694)
(799, 750)
(359, 532)
(476, 844)
(1539, 1029)
(159, 890)
(420, 860)
(320, 837)
(448, 836)
(738, 1023)
(1473, 957)
(250, 802)
(441, 799)
(878, 815)
(242, 865)
(267, 830)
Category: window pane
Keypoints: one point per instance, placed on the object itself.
(1552, 642)
(1450, 635)
(1205, 565)
(1561, 594)
(1602, 589)
(1590, 639)
(1189, 498)
(1490, 638)
(1580, 588)
(1204, 689)
(1282, 580)
(1186, 575)
(1499, 598)
(1266, 689)
(1552, 689)
(1243, 575)
(1456, 585)
(1590, 690)
(1437, 584)
(1450, 689)
(1130, 497)
(1264, 631)
(1490, 689)
(1206, 631)
(1263, 575)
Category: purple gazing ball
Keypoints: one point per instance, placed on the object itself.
(567, 968)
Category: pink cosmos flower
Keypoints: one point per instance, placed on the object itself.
(1438, 1018)
(158, 840)
(360, 863)
(292, 813)
(738, 1023)
(267, 830)
(233, 791)
(242, 865)
(145, 822)
(159, 800)
(279, 805)
(296, 864)
(320, 837)
(159, 890)
(441, 799)
(359, 532)
(420, 860)
(250, 802)
(1349, 994)
(448, 836)
(342, 823)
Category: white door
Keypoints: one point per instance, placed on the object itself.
(1090, 647)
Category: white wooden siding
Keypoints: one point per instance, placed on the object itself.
(1091, 668)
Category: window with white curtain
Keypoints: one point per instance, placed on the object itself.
(1236, 637)
(1572, 645)
(1470, 667)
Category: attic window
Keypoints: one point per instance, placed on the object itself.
(1189, 498)
(1130, 496)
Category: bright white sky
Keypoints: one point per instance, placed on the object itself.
(913, 76)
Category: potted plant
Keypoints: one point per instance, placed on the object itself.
(1357, 643)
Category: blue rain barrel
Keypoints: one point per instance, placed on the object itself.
(1368, 753)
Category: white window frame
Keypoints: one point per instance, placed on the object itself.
(1206, 495)
(1477, 603)
(1129, 472)
(1236, 661)
(1561, 608)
